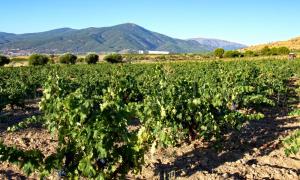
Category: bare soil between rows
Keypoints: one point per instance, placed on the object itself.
(255, 152)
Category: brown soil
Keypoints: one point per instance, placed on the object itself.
(256, 152)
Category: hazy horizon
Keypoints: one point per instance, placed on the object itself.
(247, 22)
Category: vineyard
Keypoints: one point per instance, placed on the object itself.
(106, 120)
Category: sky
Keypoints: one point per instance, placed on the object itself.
(244, 21)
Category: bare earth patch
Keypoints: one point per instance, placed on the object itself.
(256, 152)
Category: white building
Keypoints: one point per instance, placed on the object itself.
(141, 52)
(158, 52)
(153, 52)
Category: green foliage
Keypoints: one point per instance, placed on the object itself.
(266, 51)
(92, 58)
(165, 104)
(283, 50)
(25, 123)
(20, 84)
(279, 51)
(4, 60)
(29, 161)
(94, 139)
(68, 58)
(113, 58)
(292, 143)
(219, 52)
(274, 51)
(232, 54)
(249, 53)
(38, 60)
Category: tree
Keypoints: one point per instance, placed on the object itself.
(232, 54)
(219, 52)
(113, 58)
(283, 50)
(274, 51)
(38, 60)
(4, 60)
(92, 58)
(68, 58)
(249, 53)
(265, 51)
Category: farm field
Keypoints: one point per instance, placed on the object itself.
(189, 120)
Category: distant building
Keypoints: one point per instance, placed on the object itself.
(158, 52)
(141, 52)
(153, 52)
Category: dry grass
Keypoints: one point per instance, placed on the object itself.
(293, 44)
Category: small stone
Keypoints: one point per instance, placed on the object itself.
(249, 176)
(291, 172)
(225, 175)
(183, 173)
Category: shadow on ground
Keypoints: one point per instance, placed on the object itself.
(258, 136)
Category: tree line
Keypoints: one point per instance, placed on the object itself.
(266, 51)
(68, 58)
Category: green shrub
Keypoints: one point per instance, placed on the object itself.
(250, 53)
(274, 51)
(68, 59)
(232, 54)
(283, 50)
(266, 51)
(4, 60)
(92, 58)
(113, 58)
(292, 143)
(219, 52)
(38, 60)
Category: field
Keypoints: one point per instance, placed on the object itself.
(189, 120)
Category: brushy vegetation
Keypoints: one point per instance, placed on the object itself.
(68, 58)
(292, 143)
(266, 51)
(92, 58)
(4, 60)
(38, 60)
(173, 103)
(219, 52)
(113, 58)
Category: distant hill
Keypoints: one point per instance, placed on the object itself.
(293, 44)
(217, 43)
(107, 39)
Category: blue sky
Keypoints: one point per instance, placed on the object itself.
(244, 21)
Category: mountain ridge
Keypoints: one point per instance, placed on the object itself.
(219, 43)
(104, 39)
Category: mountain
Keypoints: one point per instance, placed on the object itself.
(217, 43)
(106, 39)
(293, 44)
